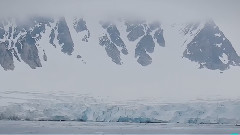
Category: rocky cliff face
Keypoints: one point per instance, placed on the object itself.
(19, 41)
(146, 33)
(211, 49)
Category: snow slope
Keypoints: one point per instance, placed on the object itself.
(96, 74)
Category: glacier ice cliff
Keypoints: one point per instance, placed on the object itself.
(74, 107)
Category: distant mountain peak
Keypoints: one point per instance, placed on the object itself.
(211, 49)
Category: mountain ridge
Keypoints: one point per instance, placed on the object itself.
(20, 41)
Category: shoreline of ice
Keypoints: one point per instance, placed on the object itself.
(66, 127)
(74, 107)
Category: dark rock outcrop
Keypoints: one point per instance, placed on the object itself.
(112, 42)
(146, 33)
(80, 26)
(211, 49)
(6, 57)
(64, 36)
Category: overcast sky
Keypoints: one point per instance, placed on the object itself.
(225, 12)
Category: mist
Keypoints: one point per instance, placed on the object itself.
(225, 13)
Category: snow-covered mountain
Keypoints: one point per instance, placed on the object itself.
(119, 58)
(21, 41)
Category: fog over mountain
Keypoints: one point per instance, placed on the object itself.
(121, 49)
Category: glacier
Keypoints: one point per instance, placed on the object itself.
(119, 67)
(37, 106)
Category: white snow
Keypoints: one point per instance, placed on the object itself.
(66, 88)
(169, 75)
(224, 58)
(219, 45)
(217, 35)
(185, 40)
(101, 77)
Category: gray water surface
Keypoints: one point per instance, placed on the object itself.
(73, 127)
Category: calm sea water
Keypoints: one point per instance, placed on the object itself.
(100, 128)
